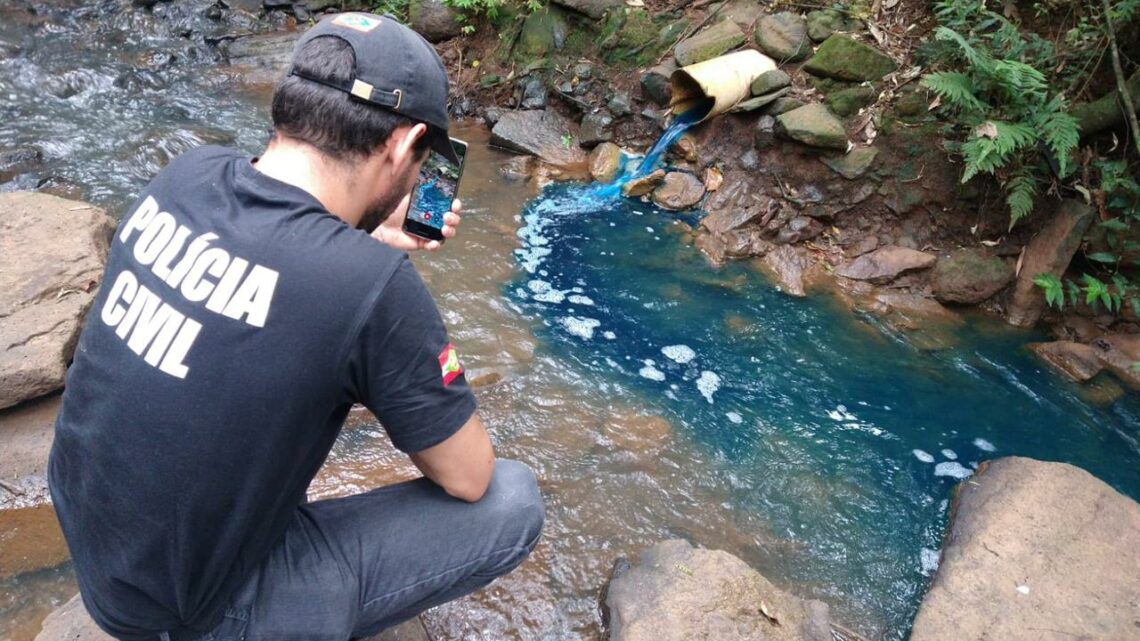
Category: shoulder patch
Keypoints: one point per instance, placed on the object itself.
(449, 365)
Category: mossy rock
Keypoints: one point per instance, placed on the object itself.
(783, 36)
(844, 58)
(710, 43)
(630, 38)
(813, 125)
(848, 102)
(543, 33)
(821, 24)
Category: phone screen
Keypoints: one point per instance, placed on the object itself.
(436, 188)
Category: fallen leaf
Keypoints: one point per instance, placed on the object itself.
(768, 614)
(990, 243)
(987, 130)
(1020, 260)
(1084, 192)
(934, 104)
(635, 3)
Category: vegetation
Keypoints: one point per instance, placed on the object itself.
(1003, 90)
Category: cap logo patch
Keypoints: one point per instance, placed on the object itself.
(449, 365)
(357, 21)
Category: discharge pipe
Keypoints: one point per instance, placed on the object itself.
(716, 85)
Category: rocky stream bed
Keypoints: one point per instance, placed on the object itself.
(827, 179)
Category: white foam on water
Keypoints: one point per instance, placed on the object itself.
(651, 372)
(608, 335)
(984, 445)
(734, 417)
(953, 469)
(950, 454)
(923, 456)
(580, 326)
(929, 560)
(649, 229)
(679, 353)
(840, 413)
(708, 384)
(553, 296)
(578, 299)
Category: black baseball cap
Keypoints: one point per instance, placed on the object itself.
(396, 69)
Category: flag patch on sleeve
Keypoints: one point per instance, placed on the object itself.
(449, 364)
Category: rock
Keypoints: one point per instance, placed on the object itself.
(643, 185)
(783, 36)
(71, 623)
(655, 82)
(749, 160)
(765, 133)
(787, 264)
(885, 264)
(736, 206)
(848, 102)
(518, 167)
(911, 102)
(18, 160)
(675, 592)
(744, 13)
(539, 133)
(710, 43)
(267, 54)
(619, 104)
(770, 81)
(784, 105)
(798, 229)
(821, 24)
(969, 276)
(605, 162)
(1078, 362)
(813, 125)
(9, 49)
(686, 148)
(595, 9)
(680, 190)
(543, 32)
(492, 115)
(1049, 252)
(533, 93)
(1119, 353)
(757, 102)
(52, 253)
(1035, 551)
(854, 163)
(596, 128)
(713, 179)
(844, 58)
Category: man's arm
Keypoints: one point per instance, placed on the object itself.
(463, 463)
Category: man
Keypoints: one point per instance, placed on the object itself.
(244, 309)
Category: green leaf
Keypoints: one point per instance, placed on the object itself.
(1062, 134)
(1114, 224)
(956, 89)
(1051, 285)
(1103, 257)
(1021, 189)
(1134, 301)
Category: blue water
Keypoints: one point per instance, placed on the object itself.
(844, 436)
(430, 205)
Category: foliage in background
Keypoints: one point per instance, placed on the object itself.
(1002, 107)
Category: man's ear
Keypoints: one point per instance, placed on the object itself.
(404, 139)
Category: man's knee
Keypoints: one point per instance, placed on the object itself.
(514, 490)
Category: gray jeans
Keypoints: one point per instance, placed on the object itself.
(348, 568)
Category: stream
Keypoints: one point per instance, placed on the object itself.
(655, 396)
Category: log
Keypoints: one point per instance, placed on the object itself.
(1105, 112)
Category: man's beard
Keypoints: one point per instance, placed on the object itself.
(385, 205)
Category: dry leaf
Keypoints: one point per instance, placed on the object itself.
(990, 243)
(877, 33)
(635, 3)
(1020, 260)
(768, 614)
(890, 4)
(1084, 192)
(987, 129)
(713, 179)
(934, 104)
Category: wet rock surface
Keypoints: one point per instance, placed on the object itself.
(1049, 252)
(675, 592)
(885, 264)
(1035, 551)
(786, 265)
(969, 276)
(679, 190)
(605, 162)
(644, 184)
(544, 134)
(52, 253)
(1077, 361)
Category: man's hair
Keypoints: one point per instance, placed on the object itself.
(326, 118)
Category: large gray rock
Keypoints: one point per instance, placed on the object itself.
(844, 58)
(675, 592)
(597, 126)
(1049, 252)
(852, 164)
(1036, 551)
(969, 276)
(265, 56)
(434, 20)
(786, 265)
(784, 36)
(710, 43)
(885, 264)
(596, 9)
(1077, 361)
(543, 32)
(539, 133)
(813, 125)
(822, 23)
(769, 81)
(52, 253)
(680, 190)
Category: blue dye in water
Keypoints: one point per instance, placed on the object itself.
(632, 169)
(840, 433)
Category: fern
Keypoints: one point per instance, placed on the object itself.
(993, 144)
(1021, 189)
(1062, 134)
(956, 89)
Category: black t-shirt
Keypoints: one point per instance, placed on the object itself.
(237, 323)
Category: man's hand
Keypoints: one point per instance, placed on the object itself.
(391, 232)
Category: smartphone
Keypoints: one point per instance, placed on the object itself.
(436, 188)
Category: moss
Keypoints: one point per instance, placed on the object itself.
(630, 38)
